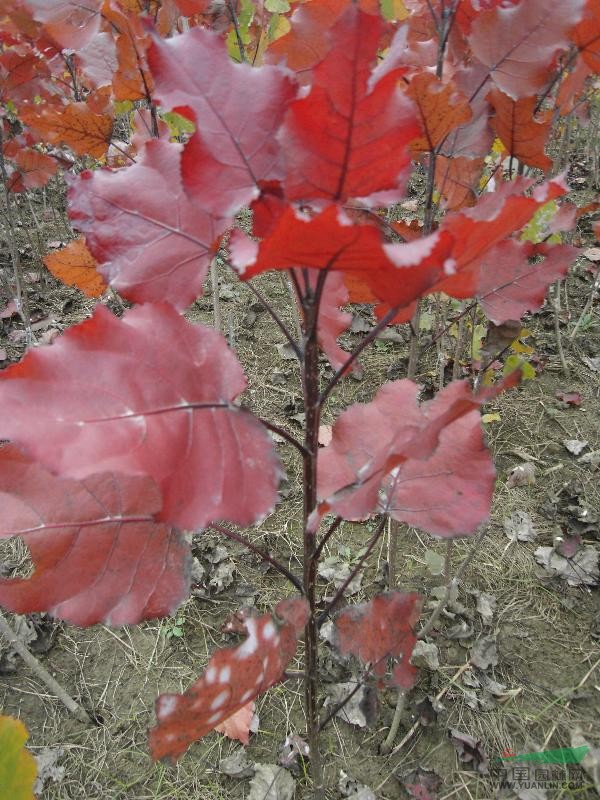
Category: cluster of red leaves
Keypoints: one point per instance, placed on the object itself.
(130, 426)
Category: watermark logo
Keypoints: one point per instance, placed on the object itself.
(546, 769)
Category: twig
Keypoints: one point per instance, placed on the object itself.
(214, 282)
(463, 668)
(236, 27)
(260, 553)
(277, 320)
(579, 685)
(588, 305)
(559, 346)
(353, 573)
(386, 746)
(42, 673)
(373, 334)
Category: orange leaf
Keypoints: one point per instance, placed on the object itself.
(237, 726)
(516, 126)
(76, 266)
(34, 169)
(441, 109)
(456, 180)
(77, 126)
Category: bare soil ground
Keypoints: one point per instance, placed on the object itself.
(547, 632)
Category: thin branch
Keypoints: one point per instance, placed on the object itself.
(353, 573)
(326, 536)
(338, 706)
(42, 673)
(373, 334)
(280, 324)
(426, 629)
(285, 435)
(236, 27)
(236, 537)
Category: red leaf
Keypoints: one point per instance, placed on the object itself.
(523, 135)
(71, 23)
(476, 230)
(147, 394)
(518, 43)
(510, 283)
(353, 468)
(98, 60)
(237, 726)
(450, 493)
(332, 320)
(587, 36)
(99, 554)
(396, 273)
(348, 138)
(151, 240)
(569, 398)
(237, 110)
(233, 677)
(307, 42)
(379, 630)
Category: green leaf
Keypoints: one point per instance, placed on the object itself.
(18, 769)
(514, 362)
(537, 229)
(435, 562)
(277, 6)
(178, 124)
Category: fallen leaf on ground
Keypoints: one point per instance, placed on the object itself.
(593, 363)
(427, 712)
(435, 562)
(271, 782)
(486, 605)
(592, 253)
(422, 784)
(333, 568)
(580, 570)
(361, 709)
(519, 527)
(349, 787)
(11, 310)
(237, 765)
(575, 446)
(48, 768)
(470, 750)
(521, 475)
(591, 760)
(293, 748)
(425, 655)
(484, 653)
(569, 398)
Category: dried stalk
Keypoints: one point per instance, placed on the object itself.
(42, 673)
